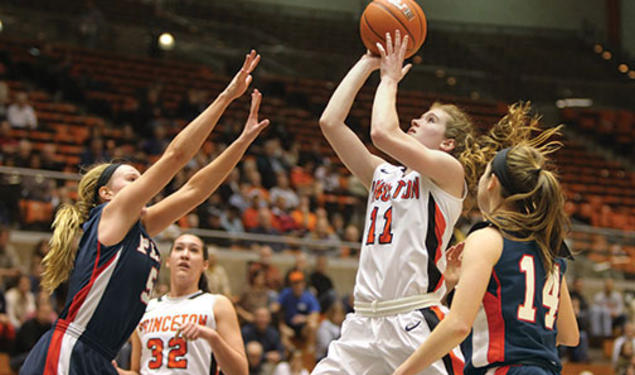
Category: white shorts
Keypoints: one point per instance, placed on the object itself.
(377, 346)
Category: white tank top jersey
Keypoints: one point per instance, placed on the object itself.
(409, 222)
(164, 353)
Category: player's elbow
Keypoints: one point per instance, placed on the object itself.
(380, 138)
(175, 155)
(568, 339)
(461, 330)
(327, 122)
(458, 326)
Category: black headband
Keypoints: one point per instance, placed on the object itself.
(104, 177)
(500, 169)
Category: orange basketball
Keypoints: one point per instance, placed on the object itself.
(383, 16)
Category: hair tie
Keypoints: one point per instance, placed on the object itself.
(103, 179)
(537, 171)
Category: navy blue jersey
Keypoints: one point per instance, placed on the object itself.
(516, 323)
(109, 288)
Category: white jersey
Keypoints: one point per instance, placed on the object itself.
(409, 222)
(164, 353)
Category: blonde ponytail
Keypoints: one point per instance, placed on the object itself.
(536, 213)
(58, 263)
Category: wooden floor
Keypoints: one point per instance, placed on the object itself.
(577, 368)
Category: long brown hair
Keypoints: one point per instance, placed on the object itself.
(58, 262)
(466, 150)
(537, 213)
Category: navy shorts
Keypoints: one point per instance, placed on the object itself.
(66, 356)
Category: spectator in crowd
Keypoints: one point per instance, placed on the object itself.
(49, 159)
(231, 222)
(8, 143)
(22, 158)
(36, 272)
(157, 143)
(282, 189)
(9, 260)
(351, 234)
(304, 218)
(253, 349)
(37, 187)
(295, 366)
(618, 344)
(266, 226)
(299, 310)
(91, 24)
(41, 248)
(577, 293)
(320, 283)
(284, 220)
(338, 225)
(323, 233)
(7, 331)
(329, 177)
(96, 152)
(262, 331)
(255, 186)
(302, 174)
(20, 302)
(241, 199)
(31, 331)
(21, 114)
(624, 359)
(329, 329)
(270, 163)
(299, 264)
(291, 155)
(273, 277)
(607, 311)
(193, 103)
(4, 99)
(210, 212)
(580, 352)
(217, 280)
(255, 296)
(250, 215)
(230, 186)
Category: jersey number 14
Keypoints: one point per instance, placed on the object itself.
(550, 293)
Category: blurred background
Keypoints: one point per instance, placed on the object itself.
(85, 81)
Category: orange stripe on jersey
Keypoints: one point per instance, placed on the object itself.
(502, 370)
(439, 229)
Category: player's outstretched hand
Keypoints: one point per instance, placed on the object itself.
(253, 127)
(243, 78)
(392, 57)
(453, 267)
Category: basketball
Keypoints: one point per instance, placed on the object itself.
(383, 16)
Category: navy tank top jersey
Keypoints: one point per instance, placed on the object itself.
(109, 289)
(516, 323)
